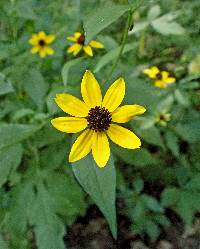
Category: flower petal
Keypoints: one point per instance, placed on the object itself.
(49, 39)
(42, 52)
(71, 105)
(88, 50)
(42, 35)
(123, 137)
(75, 48)
(100, 149)
(125, 113)
(49, 50)
(170, 80)
(77, 34)
(160, 84)
(96, 44)
(72, 38)
(34, 39)
(35, 49)
(114, 95)
(151, 72)
(90, 90)
(69, 124)
(82, 146)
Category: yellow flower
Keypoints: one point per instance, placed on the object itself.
(79, 40)
(40, 44)
(164, 80)
(95, 115)
(152, 72)
(162, 118)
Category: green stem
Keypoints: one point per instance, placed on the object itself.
(125, 34)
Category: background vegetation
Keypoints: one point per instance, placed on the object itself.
(40, 199)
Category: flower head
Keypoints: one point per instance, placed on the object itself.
(95, 115)
(162, 118)
(79, 44)
(162, 79)
(41, 43)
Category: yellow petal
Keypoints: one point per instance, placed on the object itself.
(42, 35)
(160, 84)
(72, 38)
(42, 52)
(77, 34)
(123, 137)
(100, 149)
(75, 48)
(49, 50)
(114, 95)
(125, 113)
(170, 80)
(71, 105)
(96, 44)
(50, 38)
(35, 49)
(88, 50)
(82, 146)
(69, 124)
(164, 75)
(90, 90)
(34, 39)
(151, 72)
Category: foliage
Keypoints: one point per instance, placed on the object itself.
(40, 196)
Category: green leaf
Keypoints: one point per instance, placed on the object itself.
(67, 67)
(11, 134)
(100, 184)
(102, 17)
(5, 85)
(182, 98)
(3, 244)
(169, 196)
(152, 229)
(165, 27)
(172, 142)
(153, 12)
(36, 87)
(48, 228)
(111, 55)
(152, 204)
(25, 9)
(10, 159)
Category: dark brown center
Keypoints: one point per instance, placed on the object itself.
(42, 43)
(99, 119)
(81, 39)
(159, 76)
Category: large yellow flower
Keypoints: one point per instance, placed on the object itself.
(162, 78)
(79, 39)
(41, 43)
(95, 115)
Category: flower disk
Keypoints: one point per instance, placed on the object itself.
(99, 119)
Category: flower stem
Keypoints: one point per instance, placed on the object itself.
(125, 34)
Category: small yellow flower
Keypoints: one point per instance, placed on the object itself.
(79, 39)
(162, 118)
(152, 72)
(162, 78)
(40, 44)
(95, 115)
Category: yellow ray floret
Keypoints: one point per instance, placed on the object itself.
(79, 44)
(40, 43)
(95, 116)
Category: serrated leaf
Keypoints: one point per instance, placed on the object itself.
(11, 134)
(100, 184)
(169, 196)
(36, 87)
(67, 67)
(152, 204)
(111, 55)
(10, 159)
(102, 17)
(172, 142)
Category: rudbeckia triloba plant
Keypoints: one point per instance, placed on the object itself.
(41, 42)
(162, 79)
(97, 118)
(79, 39)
